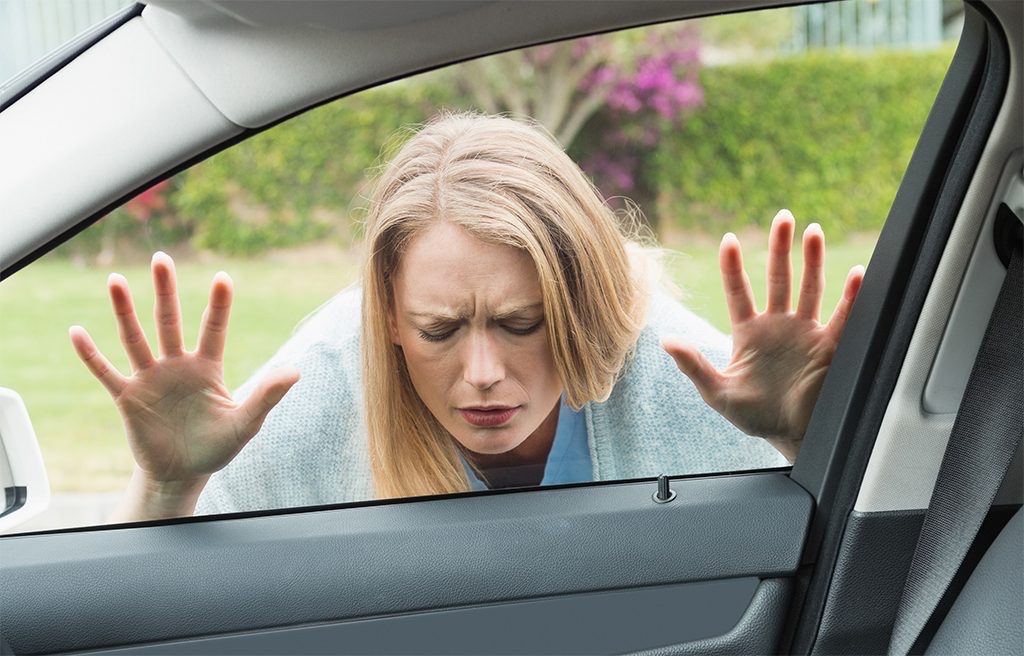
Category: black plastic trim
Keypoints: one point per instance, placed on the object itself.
(861, 379)
(1007, 233)
(14, 498)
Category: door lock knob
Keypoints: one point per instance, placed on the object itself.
(664, 493)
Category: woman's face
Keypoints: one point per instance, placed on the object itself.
(469, 318)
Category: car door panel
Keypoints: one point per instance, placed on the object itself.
(695, 618)
(182, 580)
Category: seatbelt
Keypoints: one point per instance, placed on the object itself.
(986, 433)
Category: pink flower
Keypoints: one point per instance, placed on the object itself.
(152, 200)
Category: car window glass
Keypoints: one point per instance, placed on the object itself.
(689, 131)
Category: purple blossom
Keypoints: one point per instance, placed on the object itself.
(624, 98)
(652, 92)
(600, 76)
(617, 174)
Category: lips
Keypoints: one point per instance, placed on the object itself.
(489, 417)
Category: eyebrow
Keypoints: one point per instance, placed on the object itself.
(518, 309)
(503, 314)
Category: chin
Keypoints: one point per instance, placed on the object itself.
(490, 442)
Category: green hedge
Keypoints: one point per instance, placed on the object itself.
(826, 134)
(302, 180)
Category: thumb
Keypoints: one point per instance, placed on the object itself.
(268, 393)
(696, 367)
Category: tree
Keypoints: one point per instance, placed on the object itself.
(620, 91)
(555, 84)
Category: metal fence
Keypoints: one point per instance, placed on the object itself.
(31, 29)
(869, 24)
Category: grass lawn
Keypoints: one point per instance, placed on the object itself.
(692, 263)
(76, 423)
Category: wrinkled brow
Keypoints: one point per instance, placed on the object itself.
(455, 315)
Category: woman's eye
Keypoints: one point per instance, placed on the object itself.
(523, 330)
(436, 335)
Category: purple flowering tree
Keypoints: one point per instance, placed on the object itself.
(606, 98)
(652, 95)
(560, 85)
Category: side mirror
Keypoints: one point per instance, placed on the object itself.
(22, 473)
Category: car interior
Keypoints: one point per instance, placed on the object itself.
(898, 529)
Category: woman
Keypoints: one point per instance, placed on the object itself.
(506, 334)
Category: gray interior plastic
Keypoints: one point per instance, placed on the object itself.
(973, 306)
(868, 581)
(588, 623)
(986, 617)
(126, 585)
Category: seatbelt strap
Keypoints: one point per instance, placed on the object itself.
(986, 433)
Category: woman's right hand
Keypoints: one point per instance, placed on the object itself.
(181, 422)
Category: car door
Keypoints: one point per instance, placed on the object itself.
(808, 559)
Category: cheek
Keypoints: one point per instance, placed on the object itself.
(431, 367)
(535, 365)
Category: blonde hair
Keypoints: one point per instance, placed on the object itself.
(507, 183)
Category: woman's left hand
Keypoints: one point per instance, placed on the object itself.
(779, 356)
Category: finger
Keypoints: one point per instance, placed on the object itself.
(214, 328)
(100, 367)
(780, 269)
(167, 310)
(845, 304)
(268, 394)
(128, 326)
(812, 280)
(739, 296)
(697, 368)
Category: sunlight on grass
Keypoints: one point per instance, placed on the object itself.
(692, 264)
(75, 420)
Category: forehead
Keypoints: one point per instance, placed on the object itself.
(447, 268)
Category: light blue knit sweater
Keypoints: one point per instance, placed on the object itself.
(312, 448)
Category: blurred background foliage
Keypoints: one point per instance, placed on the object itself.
(704, 130)
(827, 134)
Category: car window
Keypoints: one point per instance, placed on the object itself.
(688, 132)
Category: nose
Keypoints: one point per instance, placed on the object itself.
(483, 366)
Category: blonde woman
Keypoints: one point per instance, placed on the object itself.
(505, 334)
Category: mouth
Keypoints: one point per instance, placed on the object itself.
(489, 417)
